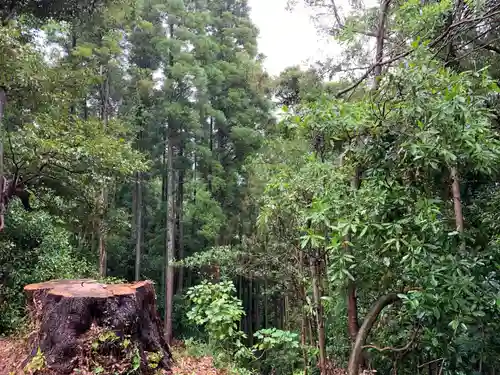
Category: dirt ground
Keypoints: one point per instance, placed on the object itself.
(12, 352)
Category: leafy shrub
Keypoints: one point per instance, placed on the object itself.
(281, 350)
(33, 248)
(218, 311)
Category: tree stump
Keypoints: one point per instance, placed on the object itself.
(89, 326)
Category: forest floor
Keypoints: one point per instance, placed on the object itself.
(11, 350)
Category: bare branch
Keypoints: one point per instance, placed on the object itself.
(435, 42)
(397, 350)
(341, 24)
(428, 363)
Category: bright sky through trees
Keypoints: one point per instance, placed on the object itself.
(287, 37)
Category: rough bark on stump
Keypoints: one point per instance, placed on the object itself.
(69, 316)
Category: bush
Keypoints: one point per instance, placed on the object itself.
(33, 248)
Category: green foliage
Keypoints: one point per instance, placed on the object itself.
(281, 350)
(215, 308)
(37, 363)
(259, 203)
(271, 338)
(35, 248)
(433, 120)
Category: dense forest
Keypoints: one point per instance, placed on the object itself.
(327, 220)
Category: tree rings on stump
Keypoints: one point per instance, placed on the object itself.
(89, 326)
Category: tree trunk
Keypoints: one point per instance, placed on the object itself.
(180, 226)
(256, 307)
(266, 304)
(170, 216)
(352, 303)
(318, 306)
(138, 225)
(457, 206)
(103, 199)
(303, 342)
(211, 148)
(3, 103)
(250, 311)
(170, 245)
(379, 54)
(73, 318)
(133, 223)
(352, 308)
(457, 202)
(356, 357)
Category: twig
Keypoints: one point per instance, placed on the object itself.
(397, 350)
(441, 367)
(445, 34)
(341, 25)
(428, 363)
(371, 69)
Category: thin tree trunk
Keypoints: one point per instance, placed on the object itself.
(319, 314)
(310, 330)
(85, 109)
(72, 108)
(457, 205)
(104, 198)
(169, 217)
(352, 308)
(241, 291)
(457, 202)
(138, 223)
(133, 224)
(352, 303)
(379, 54)
(250, 311)
(211, 147)
(102, 242)
(170, 245)
(266, 314)
(256, 308)
(303, 342)
(3, 103)
(180, 226)
(356, 357)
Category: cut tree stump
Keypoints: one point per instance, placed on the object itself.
(85, 325)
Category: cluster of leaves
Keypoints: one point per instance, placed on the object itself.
(424, 121)
(35, 247)
(214, 307)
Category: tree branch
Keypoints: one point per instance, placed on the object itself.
(364, 331)
(489, 47)
(401, 349)
(341, 25)
(435, 42)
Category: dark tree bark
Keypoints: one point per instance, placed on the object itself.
(179, 207)
(70, 315)
(381, 34)
(169, 220)
(318, 306)
(138, 225)
(103, 200)
(170, 241)
(3, 103)
(356, 357)
(457, 202)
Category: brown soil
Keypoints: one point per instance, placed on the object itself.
(11, 350)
